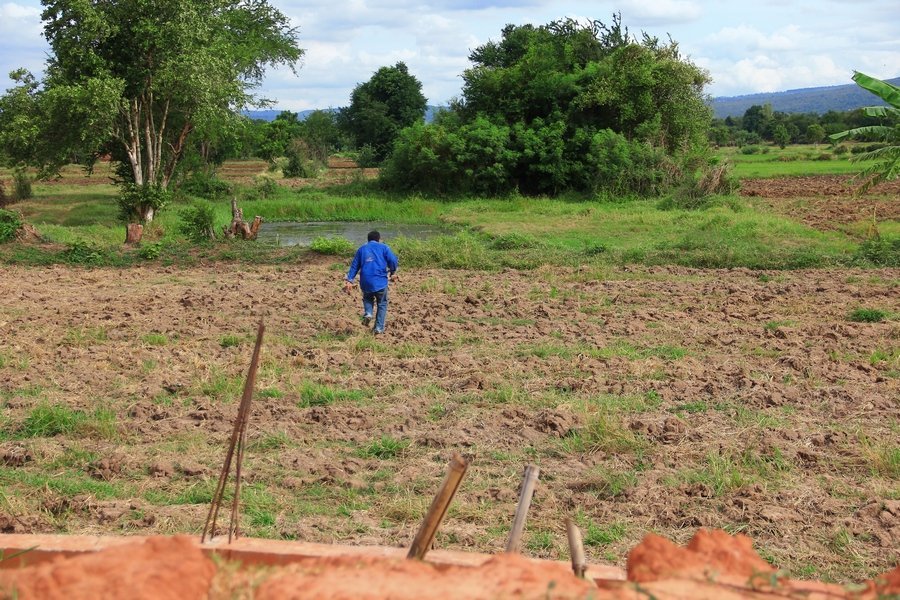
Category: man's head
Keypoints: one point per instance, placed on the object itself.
(374, 236)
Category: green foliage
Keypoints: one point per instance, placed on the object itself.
(198, 221)
(143, 80)
(331, 246)
(150, 251)
(302, 160)
(85, 253)
(230, 341)
(10, 222)
(879, 251)
(384, 448)
(48, 420)
(565, 106)
(139, 203)
(868, 315)
(313, 394)
(21, 185)
(266, 187)
(887, 158)
(204, 184)
(379, 108)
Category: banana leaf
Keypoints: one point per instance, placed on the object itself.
(886, 91)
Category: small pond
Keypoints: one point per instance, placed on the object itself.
(302, 234)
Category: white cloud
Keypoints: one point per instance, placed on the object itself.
(661, 12)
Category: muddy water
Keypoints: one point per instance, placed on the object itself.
(302, 234)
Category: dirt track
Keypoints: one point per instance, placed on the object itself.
(660, 399)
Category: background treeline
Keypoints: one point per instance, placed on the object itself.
(760, 124)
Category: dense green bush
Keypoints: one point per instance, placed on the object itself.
(203, 184)
(84, 253)
(198, 221)
(10, 222)
(21, 185)
(567, 106)
(301, 161)
(879, 251)
(332, 246)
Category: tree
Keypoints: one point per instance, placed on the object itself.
(781, 136)
(138, 78)
(815, 133)
(547, 109)
(379, 108)
(887, 159)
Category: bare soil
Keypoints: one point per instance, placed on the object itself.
(660, 399)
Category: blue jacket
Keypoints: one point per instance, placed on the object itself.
(373, 262)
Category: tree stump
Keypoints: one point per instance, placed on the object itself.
(240, 227)
(133, 233)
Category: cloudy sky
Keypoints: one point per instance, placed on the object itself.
(759, 46)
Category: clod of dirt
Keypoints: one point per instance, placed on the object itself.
(156, 569)
(161, 468)
(557, 422)
(192, 468)
(15, 455)
(106, 468)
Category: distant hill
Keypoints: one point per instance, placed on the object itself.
(817, 100)
(269, 115)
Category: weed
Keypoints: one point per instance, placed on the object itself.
(150, 251)
(10, 222)
(270, 393)
(540, 541)
(47, 420)
(597, 536)
(868, 315)
(272, 441)
(384, 448)
(155, 339)
(84, 336)
(230, 340)
(332, 246)
(437, 411)
(314, 394)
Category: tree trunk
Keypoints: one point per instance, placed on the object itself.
(133, 233)
(238, 226)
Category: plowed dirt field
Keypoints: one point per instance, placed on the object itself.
(661, 399)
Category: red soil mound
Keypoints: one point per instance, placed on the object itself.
(505, 576)
(160, 568)
(714, 565)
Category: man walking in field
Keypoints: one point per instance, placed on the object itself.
(375, 263)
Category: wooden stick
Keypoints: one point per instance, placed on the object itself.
(238, 435)
(576, 548)
(425, 536)
(526, 493)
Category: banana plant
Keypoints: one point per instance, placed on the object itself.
(887, 159)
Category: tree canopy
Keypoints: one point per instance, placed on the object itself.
(570, 105)
(138, 78)
(382, 106)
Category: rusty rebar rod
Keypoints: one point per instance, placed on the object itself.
(425, 536)
(235, 451)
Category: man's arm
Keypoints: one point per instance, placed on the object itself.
(354, 267)
(391, 260)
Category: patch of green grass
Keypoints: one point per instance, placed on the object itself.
(608, 483)
(155, 339)
(272, 441)
(596, 536)
(540, 541)
(270, 392)
(725, 472)
(603, 431)
(84, 336)
(68, 483)
(883, 458)
(773, 325)
(314, 394)
(384, 448)
(48, 420)
(868, 315)
(220, 387)
(332, 246)
(230, 340)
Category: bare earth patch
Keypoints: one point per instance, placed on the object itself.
(661, 399)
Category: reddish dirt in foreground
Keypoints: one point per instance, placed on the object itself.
(713, 565)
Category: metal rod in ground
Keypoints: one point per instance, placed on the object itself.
(526, 493)
(576, 548)
(237, 435)
(425, 536)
